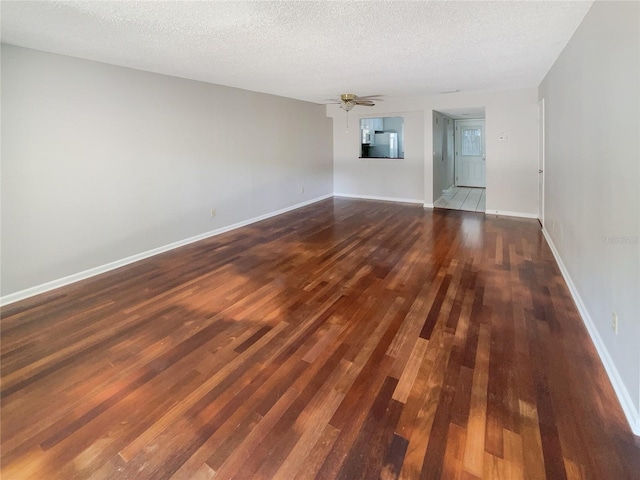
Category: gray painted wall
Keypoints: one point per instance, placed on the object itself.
(592, 196)
(101, 162)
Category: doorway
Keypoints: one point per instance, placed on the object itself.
(459, 159)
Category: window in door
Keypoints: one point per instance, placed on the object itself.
(471, 141)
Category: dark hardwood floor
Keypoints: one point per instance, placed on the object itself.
(348, 339)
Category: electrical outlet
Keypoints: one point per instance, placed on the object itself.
(614, 322)
(213, 212)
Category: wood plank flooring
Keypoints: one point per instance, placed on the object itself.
(348, 339)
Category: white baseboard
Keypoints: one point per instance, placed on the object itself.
(428, 205)
(630, 411)
(61, 282)
(511, 214)
(374, 197)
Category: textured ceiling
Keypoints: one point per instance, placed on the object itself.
(310, 50)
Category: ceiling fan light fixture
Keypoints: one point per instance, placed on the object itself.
(347, 105)
(350, 100)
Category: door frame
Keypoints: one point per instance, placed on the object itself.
(541, 160)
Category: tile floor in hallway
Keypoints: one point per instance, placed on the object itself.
(463, 198)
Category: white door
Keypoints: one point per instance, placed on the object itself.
(470, 153)
(541, 161)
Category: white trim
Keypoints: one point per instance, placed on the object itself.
(427, 205)
(511, 214)
(76, 277)
(629, 409)
(374, 197)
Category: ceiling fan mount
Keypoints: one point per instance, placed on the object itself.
(350, 100)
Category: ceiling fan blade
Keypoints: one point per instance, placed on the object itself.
(348, 100)
(369, 97)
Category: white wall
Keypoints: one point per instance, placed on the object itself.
(102, 162)
(592, 107)
(512, 165)
(395, 179)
